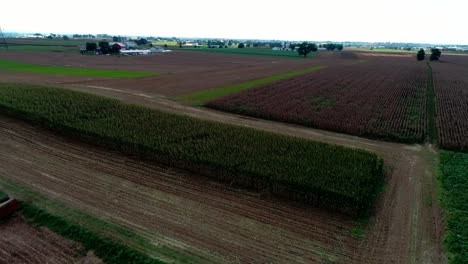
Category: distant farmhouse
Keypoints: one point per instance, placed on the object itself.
(118, 45)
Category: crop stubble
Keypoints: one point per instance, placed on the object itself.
(23, 243)
(381, 98)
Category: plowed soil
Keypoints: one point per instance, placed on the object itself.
(179, 72)
(23, 243)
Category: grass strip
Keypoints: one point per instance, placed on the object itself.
(62, 70)
(108, 250)
(202, 97)
(453, 178)
(330, 176)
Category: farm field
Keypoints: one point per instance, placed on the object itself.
(454, 183)
(44, 45)
(204, 96)
(381, 50)
(48, 42)
(252, 52)
(284, 166)
(196, 214)
(384, 97)
(451, 91)
(179, 73)
(203, 221)
(23, 243)
(15, 66)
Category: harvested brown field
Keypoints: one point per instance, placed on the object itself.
(381, 98)
(451, 91)
(23, 243)
(180, 72)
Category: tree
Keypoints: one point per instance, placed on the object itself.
(313, 47)
(339, 47)
(241, 46)
(305, 48)
(65, 37)
(292, 46)
(116, 39)
(114, 49)
(104, 46)
(50, 37)
(91, 46)
(435, 54)
(142, 41)
(421, 55)
(330, 46)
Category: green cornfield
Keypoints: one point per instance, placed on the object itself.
(325, 175)
(453, 178)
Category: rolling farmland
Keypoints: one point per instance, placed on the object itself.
(380, 98)
(158, 173)
(178, 73)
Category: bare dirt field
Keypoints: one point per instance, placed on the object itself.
(180, 72)
(23, 243)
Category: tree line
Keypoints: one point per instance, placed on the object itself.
(435, 54)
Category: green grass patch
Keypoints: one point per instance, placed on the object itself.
(330, 176)
(164, 42)
(202, 97)
(108, 250)
(319, 103)
(253, 51)
(62, 70)
(453, 178)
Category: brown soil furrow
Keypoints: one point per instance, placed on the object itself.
(22, 243)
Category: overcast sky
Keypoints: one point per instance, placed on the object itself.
(422, 21)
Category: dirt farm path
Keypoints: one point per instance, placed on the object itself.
(203, 218)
